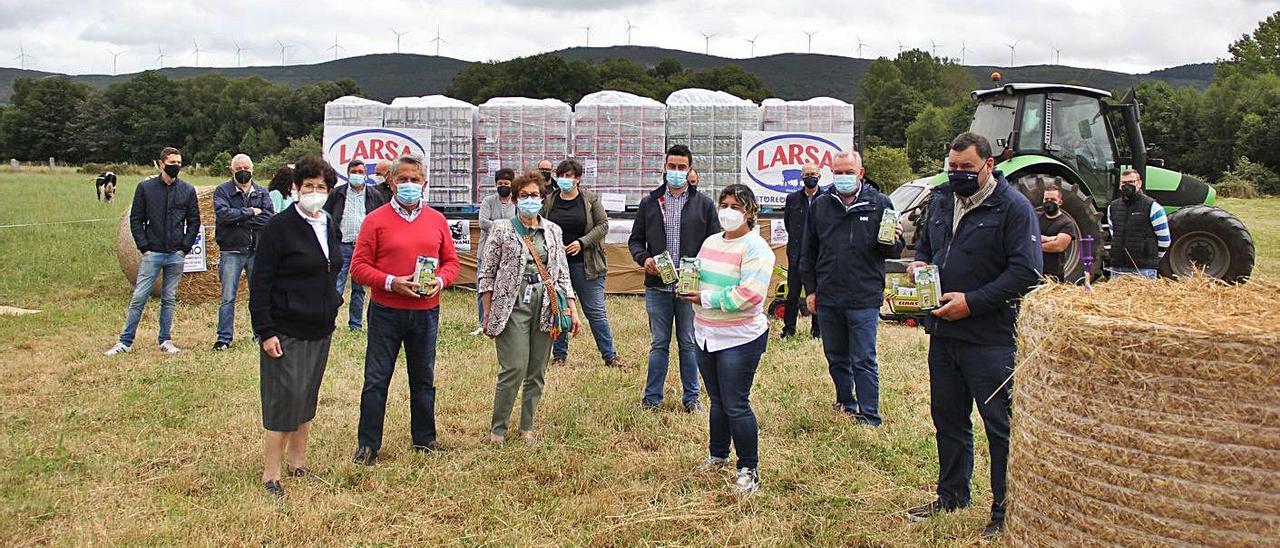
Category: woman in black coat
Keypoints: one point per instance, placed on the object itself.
(293, 302)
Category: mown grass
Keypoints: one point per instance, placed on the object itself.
(149, 449)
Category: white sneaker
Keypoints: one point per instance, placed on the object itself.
(478, 331)
(118, 348)
(748, 481)
(169, 348)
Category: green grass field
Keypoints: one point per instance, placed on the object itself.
(149, 449)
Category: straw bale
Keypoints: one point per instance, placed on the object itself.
(195, 286)
(1147, 413)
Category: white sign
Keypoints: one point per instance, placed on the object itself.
(461, 232)
(613, 201)
(591, 168)
(195, 260)
(778, 232)
(345, 143)
(772, 160)
(619, 231)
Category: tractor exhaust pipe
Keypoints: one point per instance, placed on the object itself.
(1137, 145)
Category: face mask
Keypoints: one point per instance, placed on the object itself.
(172, 170)
(546, 174)
(1051, 208)
(529, 207)
(504, 191)
(565, 183)
(846, 184)
(409, 193)
(311, 202)
(378, 179)
(241, 177)
(731, 219)
(964, 183)
(810, 181)
(1128, 191)
(356, 179)
(677, 179)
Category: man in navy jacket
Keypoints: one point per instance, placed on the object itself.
(984, 237)
(241, 208)
(843, 269)
(794, 217)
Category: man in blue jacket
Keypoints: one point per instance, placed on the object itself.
(165, 220)
(241, 208)
(348, 205)
(843, 269)
(794, 217)
(675, 219)
(984, 238)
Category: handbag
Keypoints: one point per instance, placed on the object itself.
(561, 321)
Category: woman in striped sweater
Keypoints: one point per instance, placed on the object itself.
(731, 330)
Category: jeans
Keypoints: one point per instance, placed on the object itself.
(961, 373)
(728, 374)
(389, 328)
(230, 265)
(794, 287)
(591, 298)
(849, 341)
(1126, 271)
(356, 310)
(664, 307)
(151, 266)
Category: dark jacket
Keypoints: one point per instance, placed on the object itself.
(236, 227)
(337, 202)
(793, 217)
(843, 261)
(993, 258)
(293, 290)
(164, 218)
(597, 228)
(698, 221)
(1133, 242)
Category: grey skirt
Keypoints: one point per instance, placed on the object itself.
(291, 384)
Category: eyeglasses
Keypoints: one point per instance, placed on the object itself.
(526, 196)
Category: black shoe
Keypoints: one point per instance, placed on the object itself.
(786, 333)
(994, 528)
(926, 511)
(432, 446)
(273, 487)
(692, 407)
(299, 472)
(815, 334)
(366, 456)
(220, 346)
(649, 406)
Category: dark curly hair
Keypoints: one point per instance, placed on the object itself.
(310, 167)
(282, 181)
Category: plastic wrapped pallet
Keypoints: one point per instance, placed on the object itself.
(621, 140)
(517, 133)
(818, 115)
(353, 111)
(711, 124)
(452, 149)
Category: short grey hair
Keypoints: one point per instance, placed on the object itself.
(241, 156)
(848, 154)
(409, 159)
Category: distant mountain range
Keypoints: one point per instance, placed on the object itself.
(789, 75)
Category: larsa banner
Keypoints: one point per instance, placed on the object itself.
(345, 143)
(772, 160)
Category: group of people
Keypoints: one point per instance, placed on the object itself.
(540, 257)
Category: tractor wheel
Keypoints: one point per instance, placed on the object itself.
(1079, 208)
(778, 309)
(1208, 239)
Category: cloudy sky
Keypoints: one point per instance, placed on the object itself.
(77, 36)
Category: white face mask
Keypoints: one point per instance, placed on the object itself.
(731, 219)
(311, 202)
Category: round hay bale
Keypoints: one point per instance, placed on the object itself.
(1147, 413)
(195, 286)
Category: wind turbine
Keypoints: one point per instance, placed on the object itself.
(22, 56)
(438, 40)
(963, 50)
(707, 38)
(899, 46)
(196, 52)
(810, 35)
(935, 47)
(283, 49)
(238, 50)
(398, 35)
(753, 44)
(115, 56)
(861, 45)
(1057, 56)
(629, 27)
(588, 29)
(335, 47)
(160, 58)
(1013, 50)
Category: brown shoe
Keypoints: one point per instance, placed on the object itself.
(558, 361)
(615, 361)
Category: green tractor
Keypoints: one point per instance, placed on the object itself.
(1067, 134)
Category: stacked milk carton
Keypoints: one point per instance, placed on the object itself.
(621, 140)
(818, 115)
(353, 111)
(711, 124)
(517, 133)
(452, 124)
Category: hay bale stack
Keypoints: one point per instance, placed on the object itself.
(1147, 413)
(195, 286)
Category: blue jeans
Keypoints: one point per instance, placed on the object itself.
(849, 341)
(961, 373)
(591, 298)
(151, 266)
(663, 308)
(389, 328)
(729, 374)
(356, 310)
(1126, 271)
(230, 265)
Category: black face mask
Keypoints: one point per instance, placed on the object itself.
(964, 183)
(172, 170)
(504, 191)
(546, 174)
(242, 177)
(1128, 191)
(1051, 208)
(810, 181)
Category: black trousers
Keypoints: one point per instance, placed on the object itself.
(794, 286)
(389, 329)
(961, 373)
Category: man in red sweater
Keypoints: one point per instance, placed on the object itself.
(391, 240)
